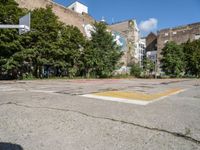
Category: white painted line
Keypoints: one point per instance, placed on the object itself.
(122, 100)
(158, 99)
(41, 91)
(11, 89)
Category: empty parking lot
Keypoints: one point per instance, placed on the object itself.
(101, 114)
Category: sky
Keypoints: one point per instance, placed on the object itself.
(151, 15)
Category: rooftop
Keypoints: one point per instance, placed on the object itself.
(76, 2)
(180, 27)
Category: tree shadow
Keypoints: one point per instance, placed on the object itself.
(10, 146)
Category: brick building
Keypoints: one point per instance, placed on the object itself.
(151, 42)
(130, 32)
(179, 35)
(65, 14)
(151, 47)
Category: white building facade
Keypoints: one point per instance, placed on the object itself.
(140, 51)
(78, 7)
(152, 55)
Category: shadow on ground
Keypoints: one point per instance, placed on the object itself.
(10, 146)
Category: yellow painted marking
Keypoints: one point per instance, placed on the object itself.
(138, 95)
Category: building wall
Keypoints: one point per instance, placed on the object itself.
(151, 42)
(65, 15)
(152, 55)
(129, 30)
(141, 50)
(79, 8)
(179, 35)
(151, 47)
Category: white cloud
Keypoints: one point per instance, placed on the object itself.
(148, 25)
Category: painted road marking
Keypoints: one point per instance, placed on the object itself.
(122, 100)
(137, 95)
(133, 97)
(96, 81)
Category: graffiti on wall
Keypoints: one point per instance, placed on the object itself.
(119, 39)
(88, 30)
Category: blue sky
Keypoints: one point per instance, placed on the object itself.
(151, 15)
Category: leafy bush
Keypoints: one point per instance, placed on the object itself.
(27, 76)
(136, 70)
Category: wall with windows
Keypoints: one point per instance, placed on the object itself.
(140, 51)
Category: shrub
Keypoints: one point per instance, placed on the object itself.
(136, 70)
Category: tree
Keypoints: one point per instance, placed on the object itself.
(49, 46)
(148, 66)
(53, 47)
(40, 45)
(89, 59)
(72, 44)
(173, 59)
(135, 70)
(192, 57)
(9, 38)
(103, 52)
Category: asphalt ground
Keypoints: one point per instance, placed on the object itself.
(54, 114)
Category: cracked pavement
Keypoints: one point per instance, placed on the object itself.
(50, 114)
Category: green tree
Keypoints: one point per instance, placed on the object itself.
(173, 59)
(136, 70)
(89, 60)
(103, 52)
(40, 45)
(50, 44)
(9, 38)
(192, 57)
(72, 44)
(148, 66)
